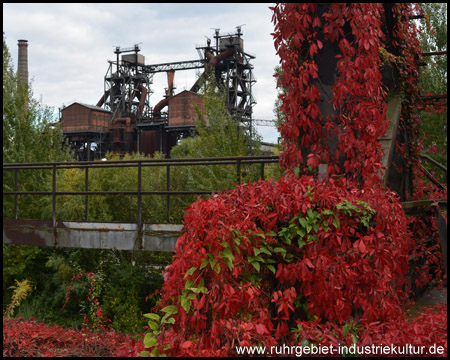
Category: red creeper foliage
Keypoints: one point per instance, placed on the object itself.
(30, 338)
(305, 259)
(254, 261)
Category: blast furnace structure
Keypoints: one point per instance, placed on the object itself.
(123, 121)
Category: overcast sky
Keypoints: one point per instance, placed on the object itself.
(69, 45)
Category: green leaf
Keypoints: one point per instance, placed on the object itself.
(186, 304)
(261, 234)
(149, 340)
(346, 328)
(280, 250)
(316, 227)
(227, 254)
(152, 316)
(336, 223)
(303, 222)
(190, 271)
(271, 268)
(153, 325)
(256, 265)
(265, 251)
(312, 238)
(169, 310)
(170, 321)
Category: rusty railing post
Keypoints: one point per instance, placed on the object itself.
(238, 170)
(168, 189)
(15, 195)
(54, 196)
(139, 199)
(262, 170)
(86, 201)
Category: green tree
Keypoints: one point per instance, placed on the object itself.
(280, 117)
(28, 136)
(433, 79)
(218, 135)
(27, 133)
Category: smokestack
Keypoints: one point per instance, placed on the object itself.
(23, 61)
(22, 67)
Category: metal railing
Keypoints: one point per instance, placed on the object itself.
(139, 192)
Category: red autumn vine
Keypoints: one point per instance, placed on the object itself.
(304, 260)
(254, 261)
(358, 99)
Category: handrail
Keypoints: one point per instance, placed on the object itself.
(434, 162)
(150, 161)
(139, 163)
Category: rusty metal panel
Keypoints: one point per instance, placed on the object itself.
(85, 118)
(28, 232)
(149, 142)
(182, 108)
(134, 59)
(160, 237)
(90, 235)
(98, 235)
(75, 118)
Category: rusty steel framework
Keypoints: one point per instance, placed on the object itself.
(127, 91)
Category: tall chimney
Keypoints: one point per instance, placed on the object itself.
(23, 61)
(23, 65)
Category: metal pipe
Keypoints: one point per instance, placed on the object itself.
(102, 99)
(170, 78)
(141, 100)
(164, 102)
(212, 63)
(159, 106)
